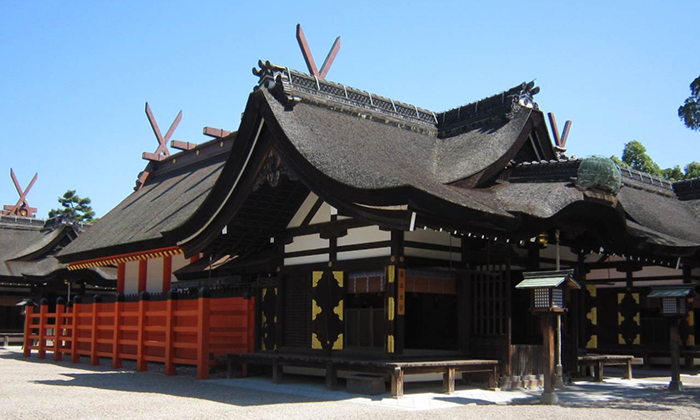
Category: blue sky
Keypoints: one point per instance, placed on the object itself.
(74, 75)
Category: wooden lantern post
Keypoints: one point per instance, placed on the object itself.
(548, 302)
(674, 306)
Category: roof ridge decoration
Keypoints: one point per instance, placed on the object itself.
(162, 151)
(559, 141)
(287, 84)
(505, 104)
(309, 58)
(21, 207)
(687, 189)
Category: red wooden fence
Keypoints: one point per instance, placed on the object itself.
(172, 331)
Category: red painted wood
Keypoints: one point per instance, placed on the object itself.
(94, 359)
(118, 309)
(74, 356)
(29, 318)
(203, 338)
(141, 364)
(42, 331)
(57, 356)
(121, 277)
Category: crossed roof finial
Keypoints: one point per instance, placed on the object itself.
(162, 151)
(559, 141)
(21, 208)
(309, 58)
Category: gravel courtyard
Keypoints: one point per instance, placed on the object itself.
(31, 388)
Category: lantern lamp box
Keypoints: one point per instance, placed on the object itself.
(674, 300)
(548, 288)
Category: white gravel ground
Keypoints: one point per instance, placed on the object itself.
(38, 389)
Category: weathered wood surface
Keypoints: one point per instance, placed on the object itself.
(395, 369)
(601, 360)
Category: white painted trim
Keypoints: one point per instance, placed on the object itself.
(230, 192)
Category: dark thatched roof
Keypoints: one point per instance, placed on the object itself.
(171, 194)
(27, 249)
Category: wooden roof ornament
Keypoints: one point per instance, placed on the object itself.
(309, 58)
(559, 141)
(162, 151)
(21, 207)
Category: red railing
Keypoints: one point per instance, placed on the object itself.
(172, 331)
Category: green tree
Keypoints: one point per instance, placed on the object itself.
(692, 170)
(74, 208)
(673, 174)
(635, 156)
(689, 112)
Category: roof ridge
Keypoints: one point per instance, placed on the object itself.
(287, 81)
(506, 104)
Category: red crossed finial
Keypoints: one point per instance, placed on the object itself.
(559, 141)
(309, 58)
(162, 151)
(21, 208)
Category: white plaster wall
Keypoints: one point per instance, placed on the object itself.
(364, 235)
(303, 210)
(131, 277)
(305, 242)
(154, 283)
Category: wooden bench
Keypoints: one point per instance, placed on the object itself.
(600, 360)
(395, 369)
(8, 338)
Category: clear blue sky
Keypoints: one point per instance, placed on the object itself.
(74, 75)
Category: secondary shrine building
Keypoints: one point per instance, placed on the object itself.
(356, 225)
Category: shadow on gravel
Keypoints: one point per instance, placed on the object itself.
(184, 386)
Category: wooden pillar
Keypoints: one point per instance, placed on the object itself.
(167, 272)
(141, 363)
(143, 275)
(28, 322)
(448, 380)
(675, 384)
(390, 305)
(74, 356)
(203, 335)
(94, 358)
(548, 348)
(43, 311)
(57, 348)
(116, 347)
(397, 382)
(169, 317)
(121, 277)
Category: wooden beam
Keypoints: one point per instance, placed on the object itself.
(182, 145)
(215, 132)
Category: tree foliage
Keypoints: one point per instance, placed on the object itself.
(689, 112)
(74, 208)
(635, 156)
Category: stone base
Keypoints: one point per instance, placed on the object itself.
(366, 384)
(675, 386)
(549, 398)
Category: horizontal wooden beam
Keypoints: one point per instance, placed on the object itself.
(215, 132)
(182, 145)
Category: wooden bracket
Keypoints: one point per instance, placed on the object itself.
(182, 145)
(560, 142)
(21, 207)
(309, 58)
(215, 132)
(162, 151)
